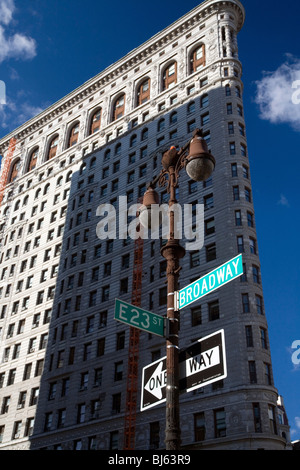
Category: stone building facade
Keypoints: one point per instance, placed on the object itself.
(63, 357)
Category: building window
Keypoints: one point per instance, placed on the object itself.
(245, 302)
(252, 372)
(243, 277)
(197, 59)
(238, 218)
(257, 418)
(259, 306)
(208, 201)
(268, 375)
(255, 273)
(33, 159)
(263, 338)
(154, 435)
(143, 94)
(211, 252)
(196, 316)
(118, 107)
(116, 403)
(73, 135)
(272, 419)
(52, 148)
(161, 125)
(236, 193)
(252, 243)
(248, 194)
(199, 426)
(95, 122)
(240, 244)
(209, 226)
(169, 78)
(249, 336)
(14, 171)
(213, 310)
(227, 90)
(220, 422)
(162, 296)
(204, 119)
(114, 440)
(204, 101)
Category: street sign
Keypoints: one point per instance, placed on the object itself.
(154, 381)
(139, 318)
(201, 364)
(210, 282)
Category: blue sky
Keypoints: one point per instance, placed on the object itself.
(48, 48)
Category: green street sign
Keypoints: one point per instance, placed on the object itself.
(210, 282)
(139, 318)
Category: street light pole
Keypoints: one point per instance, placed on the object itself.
(172, 252)
(199, 165)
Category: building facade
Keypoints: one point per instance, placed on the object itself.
(63, 369)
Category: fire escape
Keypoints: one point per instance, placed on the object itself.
(133, 352)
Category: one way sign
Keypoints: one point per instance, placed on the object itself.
(202, 363)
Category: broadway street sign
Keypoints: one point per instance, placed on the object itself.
(139, 318)
(210, 282)
(202, 363)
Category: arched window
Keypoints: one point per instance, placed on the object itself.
(173, 118)
(161, 125)
(144, 135)
(46, 189)
(82, 169)
(14, 171)
(133, 140)
(73, 135)
(95, 122)
(197, 58)
(17, 205)
(69, 176)
(118, 149)
(59, 181)
(93, 163)
(143, 93)
(52, 147)
(107, 155)
(204, 102)
(33, 159)
(118, 107)
(169, 78)
(191, 107)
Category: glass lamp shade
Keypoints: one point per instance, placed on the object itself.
(200, 168)
(150, 201)
(200, 163)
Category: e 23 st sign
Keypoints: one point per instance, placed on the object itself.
(139, 318)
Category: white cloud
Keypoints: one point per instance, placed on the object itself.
(16, 46)
(7, 7)
(277, 99)
(296, 428)
(14, 114)
(283, 201)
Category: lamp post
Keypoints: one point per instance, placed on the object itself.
(199, 165)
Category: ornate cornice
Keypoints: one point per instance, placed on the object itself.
(136, 57)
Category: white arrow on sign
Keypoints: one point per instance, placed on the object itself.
(157, 381)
